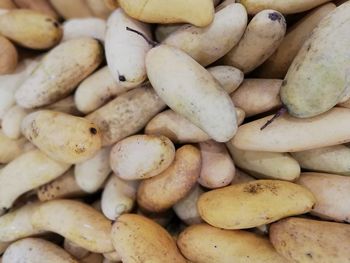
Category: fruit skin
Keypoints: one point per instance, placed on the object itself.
(309, 241)
(127, 114)
(261, 38)
(139, 239)
(332, 159)
(76, 221)
(256, 96)
(141, 156)
(30, 29)
(283, 6)
(266, 165)
(206, 45)
(278, 64)
(63, 137)
(27, 172)
(318, 78)
(59, 72)
(206, 244)
(197, 12)
(125, 50)
(290, 134)
(254, 203)
(329, 189)
(161, 192)
(190, 90)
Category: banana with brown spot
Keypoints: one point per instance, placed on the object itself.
(30, 29)
(206, 244)
(64, 186)
(12, 120)
(254, 203)
(61, 136)
(262, 37)
(59, 72)
(127, 114)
